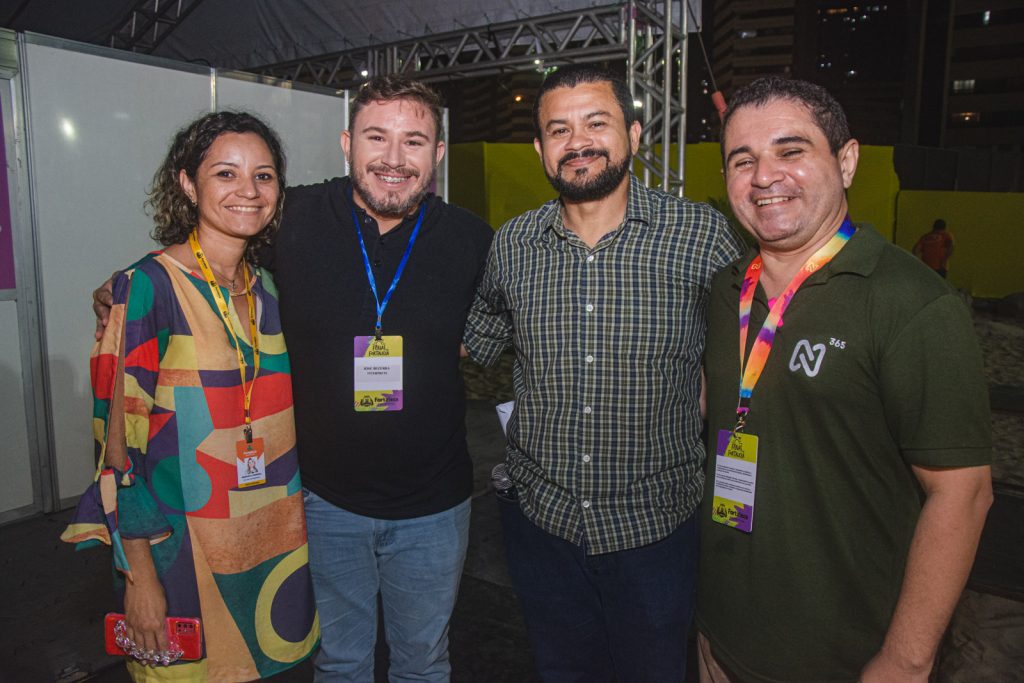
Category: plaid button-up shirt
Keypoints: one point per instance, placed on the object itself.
(604, 444)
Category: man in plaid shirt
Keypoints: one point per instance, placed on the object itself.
(602, 294)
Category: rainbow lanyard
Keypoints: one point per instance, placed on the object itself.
(750, 371)
(225, 314)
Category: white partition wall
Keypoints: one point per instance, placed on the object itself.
(98, 128)
(98, 123)
(293, 113)
(16, 486)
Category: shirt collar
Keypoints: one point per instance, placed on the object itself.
(407, 223)
(638, 209)
(858, 257)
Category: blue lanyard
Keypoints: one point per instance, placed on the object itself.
(381, 305)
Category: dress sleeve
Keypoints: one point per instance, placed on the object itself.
(121, 504)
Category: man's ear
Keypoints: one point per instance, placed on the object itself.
(635, 131)
(848, 156)
(346, 144)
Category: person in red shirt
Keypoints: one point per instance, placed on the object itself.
(935, 247)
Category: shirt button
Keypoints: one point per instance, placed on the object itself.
(586, 457)
(586, 505)
(590, 259)
(590, 308)
(590, 359)
(587, 410)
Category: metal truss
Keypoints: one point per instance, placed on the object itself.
(646, 34)
(588, 35)
(657, 66)
(148, 23)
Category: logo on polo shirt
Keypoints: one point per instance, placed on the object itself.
(807, 358)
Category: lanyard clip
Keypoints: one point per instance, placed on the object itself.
(377, 332)
(741, 421)
(247, 430)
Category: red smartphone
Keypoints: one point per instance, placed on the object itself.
(185, 632)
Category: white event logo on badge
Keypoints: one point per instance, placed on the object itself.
(807, 358)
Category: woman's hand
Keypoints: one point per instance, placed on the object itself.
(145, 605)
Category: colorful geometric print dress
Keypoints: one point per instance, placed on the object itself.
(234, 556)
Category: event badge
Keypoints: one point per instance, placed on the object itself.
(378, 373)
(251, 463)
(735, 476)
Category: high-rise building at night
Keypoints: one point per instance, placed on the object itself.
(946, 73)
(985, 75)
(860, 56)
(856, 50)
(752, 39)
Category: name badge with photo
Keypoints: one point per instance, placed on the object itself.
(251, 463)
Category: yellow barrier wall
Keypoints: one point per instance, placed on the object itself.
(500, 181)
(988, 231)
(872, 196)
(703, 172)
(466, 187)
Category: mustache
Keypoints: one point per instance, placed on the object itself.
(398, 170)
(569, 156)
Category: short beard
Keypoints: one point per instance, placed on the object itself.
(392, 205)
(597, 187)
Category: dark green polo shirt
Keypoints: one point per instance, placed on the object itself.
(875, 368)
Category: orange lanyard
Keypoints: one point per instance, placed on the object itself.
(225, 314)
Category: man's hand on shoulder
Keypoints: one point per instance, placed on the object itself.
(102, 302)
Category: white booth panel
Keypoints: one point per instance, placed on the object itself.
(98, 129)
(16, 482)
(309, 124)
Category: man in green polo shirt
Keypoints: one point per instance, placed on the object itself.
(848, 421)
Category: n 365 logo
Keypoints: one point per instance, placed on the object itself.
(807, 358)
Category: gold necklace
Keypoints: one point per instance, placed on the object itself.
(241, 292)
(230, 283)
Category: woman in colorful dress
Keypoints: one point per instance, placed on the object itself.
(198, 488)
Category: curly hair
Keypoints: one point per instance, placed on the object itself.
(391, 87)
(174, 214)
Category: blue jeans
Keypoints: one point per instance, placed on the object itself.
(592, 618)
(413, 564)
